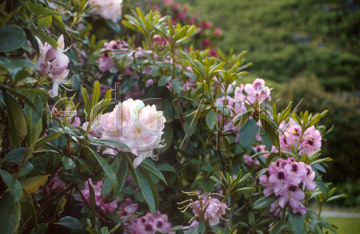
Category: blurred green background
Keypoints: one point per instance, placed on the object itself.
(305, 49)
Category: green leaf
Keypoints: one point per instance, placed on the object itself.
(68, 163)
(122, 173)
(266, 139)
(211, 119)
(70, 222)
(264, 202)
(13, 184)
(12, 37)
(9, 214)
(128, 85)
(278, 228)
(296, 223)
(153, 170)
(323, 188)
(176, 86)
(48, 138)
(247, 133)
(106, 142)
(17, 121)
(86, 99)
(146, 190)
(15, 156)
(95, 94)
(33, 184)
(28, 167)
(107, 169)
(44, 22)
(163, 80)
(337, 197)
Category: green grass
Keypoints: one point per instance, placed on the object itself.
(345, 225)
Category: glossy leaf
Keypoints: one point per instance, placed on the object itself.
(12, 37)
(146, 190)
(296, 223)
(247, 133)
(13, 184)
(9, 214)
(107, 169)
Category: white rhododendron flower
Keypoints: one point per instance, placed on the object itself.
(108, 9)
(138, 126)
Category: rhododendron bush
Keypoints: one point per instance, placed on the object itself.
(112, 126)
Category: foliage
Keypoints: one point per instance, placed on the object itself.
(293, 38)
(76, 148)
(340, 143)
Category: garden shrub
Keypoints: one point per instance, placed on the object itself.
(344, 115)
(102, 132)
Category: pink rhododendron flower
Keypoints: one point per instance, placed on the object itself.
(257, 92)
(287, 179)
(53, 62)
(310, 142)
(106, 207)
(212, 209)
(105, 62)
(149, 224)
(108, 9)
(127, 209)
(138, 126)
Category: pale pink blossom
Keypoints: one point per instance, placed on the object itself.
(137, 125)
(107, 9)
(257, 92)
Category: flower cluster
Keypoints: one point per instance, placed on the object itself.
(150, 224)
(108, 9)
(211, 208)
(287, 180)
(53, 62)
(105, 62)
(127, 209)
(309, 142)
(133, 123)
(257, 92)
(106, 207)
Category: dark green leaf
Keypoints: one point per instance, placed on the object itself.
(17, 121)
(266, 140)
(164, 80)
(146, 190)
(70, 222)
(264, 202)
(278, 228)
(153, 170)
(12, 37)
(211, 119)
(247, 133)
(128, 85)
(13, 184)
(9, 214)
(296, 223)
(68, 163)
(107, 169)
(15, 156)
